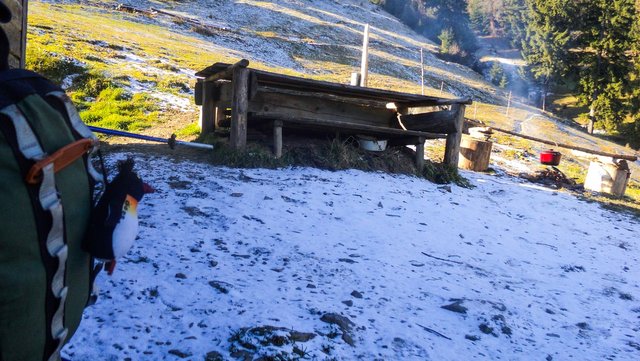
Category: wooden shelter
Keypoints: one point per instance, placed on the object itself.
(258, 97)
(16, 31)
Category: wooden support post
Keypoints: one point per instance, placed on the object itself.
(364, 65)
(239, 107)
(207, 116)
(277, 138)
(452, 148)
(420, 154)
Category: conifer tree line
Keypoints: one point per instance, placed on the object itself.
(590, 48)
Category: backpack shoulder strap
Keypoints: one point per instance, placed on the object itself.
(50, 202)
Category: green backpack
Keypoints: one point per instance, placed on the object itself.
(46, 195)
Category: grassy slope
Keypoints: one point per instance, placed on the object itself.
(128, 52)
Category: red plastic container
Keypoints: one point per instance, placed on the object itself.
(550, 157)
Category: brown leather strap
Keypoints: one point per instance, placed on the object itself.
(60, 159)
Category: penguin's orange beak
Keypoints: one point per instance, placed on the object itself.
(147, 188)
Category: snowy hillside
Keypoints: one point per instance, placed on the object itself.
(300, 263)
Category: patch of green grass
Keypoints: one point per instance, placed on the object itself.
(116, 109)
(521, 145)
(173, 84)
(191, 130)
(627, 204)
(442, 174)
(573, 170)
(53, 66)
(88, 84)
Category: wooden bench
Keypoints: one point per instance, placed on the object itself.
(287, 101)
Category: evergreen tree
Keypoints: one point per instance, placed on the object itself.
(514, 15)
(547, 40)
(633, 130)
(447, 41)
(477, 16)
(486, 15)
(604, 40)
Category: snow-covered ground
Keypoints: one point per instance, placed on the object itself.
(238, 264)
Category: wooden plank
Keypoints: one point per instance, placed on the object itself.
(342, 89)
(253, 85)
(197, 92)
(336, 98)
(452, 146)
(298, 83)
(277, 138)
(439, 102)
(352, 128)
(278, 105)
(239, 107)
(228, 72)
(438, 122)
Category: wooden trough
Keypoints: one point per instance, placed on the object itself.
(258, 97)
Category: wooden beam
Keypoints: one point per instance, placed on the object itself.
(285, 104)
(631, 158)
(338, 126)
(420, 154)
(253, 85)
(429, 103)
(452, 147)
(325, 96)
(277, 138)
(239, 107)
(226, 73)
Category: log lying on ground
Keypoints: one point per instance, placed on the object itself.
(631, 158)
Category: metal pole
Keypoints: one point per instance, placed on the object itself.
(364, 64)
(171, 141)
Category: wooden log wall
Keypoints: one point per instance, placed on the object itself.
(16, 31)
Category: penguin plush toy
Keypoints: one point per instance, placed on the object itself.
(114, 222)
